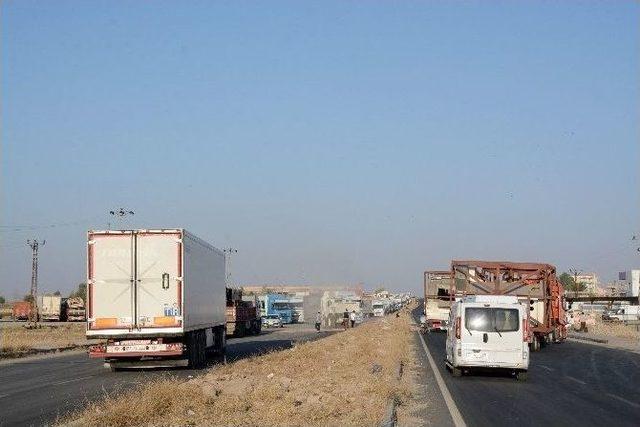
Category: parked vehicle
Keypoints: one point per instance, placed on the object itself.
(488, 331)
(272, 321)
(437, 300)
(627, 313)
(243, 316)
(75, 309)
(533, 283)
(50, 308)
(156, 296)
(21, 310)
(6, 310)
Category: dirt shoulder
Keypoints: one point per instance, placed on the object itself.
(18, 341)
(610, 334)
(345, 379)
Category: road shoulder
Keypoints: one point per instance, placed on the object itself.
(426, 406)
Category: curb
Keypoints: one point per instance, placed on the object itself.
(391, 417)
(581, 338)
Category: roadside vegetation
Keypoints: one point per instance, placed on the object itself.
(345, 379)
(16, 340)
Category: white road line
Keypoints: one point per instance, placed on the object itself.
(622, 399)
(546, 367)
(72, 380)
(575, 379)
(3, 395)
(458, 421)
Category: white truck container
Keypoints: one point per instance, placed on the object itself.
(157, 297)
(379, 308)
(488, 331)
(49, 307)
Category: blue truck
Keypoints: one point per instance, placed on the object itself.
(277, 304)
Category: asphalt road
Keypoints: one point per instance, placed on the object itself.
(569, 384)
(36, 391)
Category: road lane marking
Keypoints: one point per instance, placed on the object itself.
(575, 379)
(3, 395)
(547, 368)
(458, 421)
(72, 380)
(622, 399)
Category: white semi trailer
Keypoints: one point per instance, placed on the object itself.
(157, 297)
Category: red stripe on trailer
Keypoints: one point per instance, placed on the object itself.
(90, 278)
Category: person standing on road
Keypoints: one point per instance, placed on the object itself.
(352, 317)
(345, 319)
(318, 321)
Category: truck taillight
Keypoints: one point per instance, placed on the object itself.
(525, 330)
(458, 327)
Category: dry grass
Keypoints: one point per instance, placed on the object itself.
(614, 329)
(345, 379)
(18, 339)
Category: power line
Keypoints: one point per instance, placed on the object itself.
(25, 228)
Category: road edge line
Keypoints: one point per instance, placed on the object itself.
(456, 416)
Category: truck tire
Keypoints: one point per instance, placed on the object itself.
(522, 375)
(196, 347)
(535, 343)
(456, 372)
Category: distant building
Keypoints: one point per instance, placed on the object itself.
(590, 281)
(630, 282)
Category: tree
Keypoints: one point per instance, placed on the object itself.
(28, 298)
(566, 280)
(57, 293)
(568, 283)
(2, 300)
(380, 289)
(80, 292)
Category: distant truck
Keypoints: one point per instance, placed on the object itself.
(21, 310)
(75, 310)
(156, 296)
(379, 308)
(50, 308)
(437, 299)
(242, 314)
(533, 283)
(278, 304)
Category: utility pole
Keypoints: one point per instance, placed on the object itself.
(33, 314)
(575, 273)
(227, 266)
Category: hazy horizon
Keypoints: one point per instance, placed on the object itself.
(327, 142)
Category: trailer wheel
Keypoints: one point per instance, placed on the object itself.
(535, 343)
(456, 372)
(197, 349)
(522, 375)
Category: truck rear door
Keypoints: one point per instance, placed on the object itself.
(110, 280)
(159, 285)
(134, 280)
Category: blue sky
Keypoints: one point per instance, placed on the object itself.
(329, 142)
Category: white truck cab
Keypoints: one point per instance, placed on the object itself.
(488, 331)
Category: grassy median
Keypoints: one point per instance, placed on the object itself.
(344, 379)
(16, 339)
